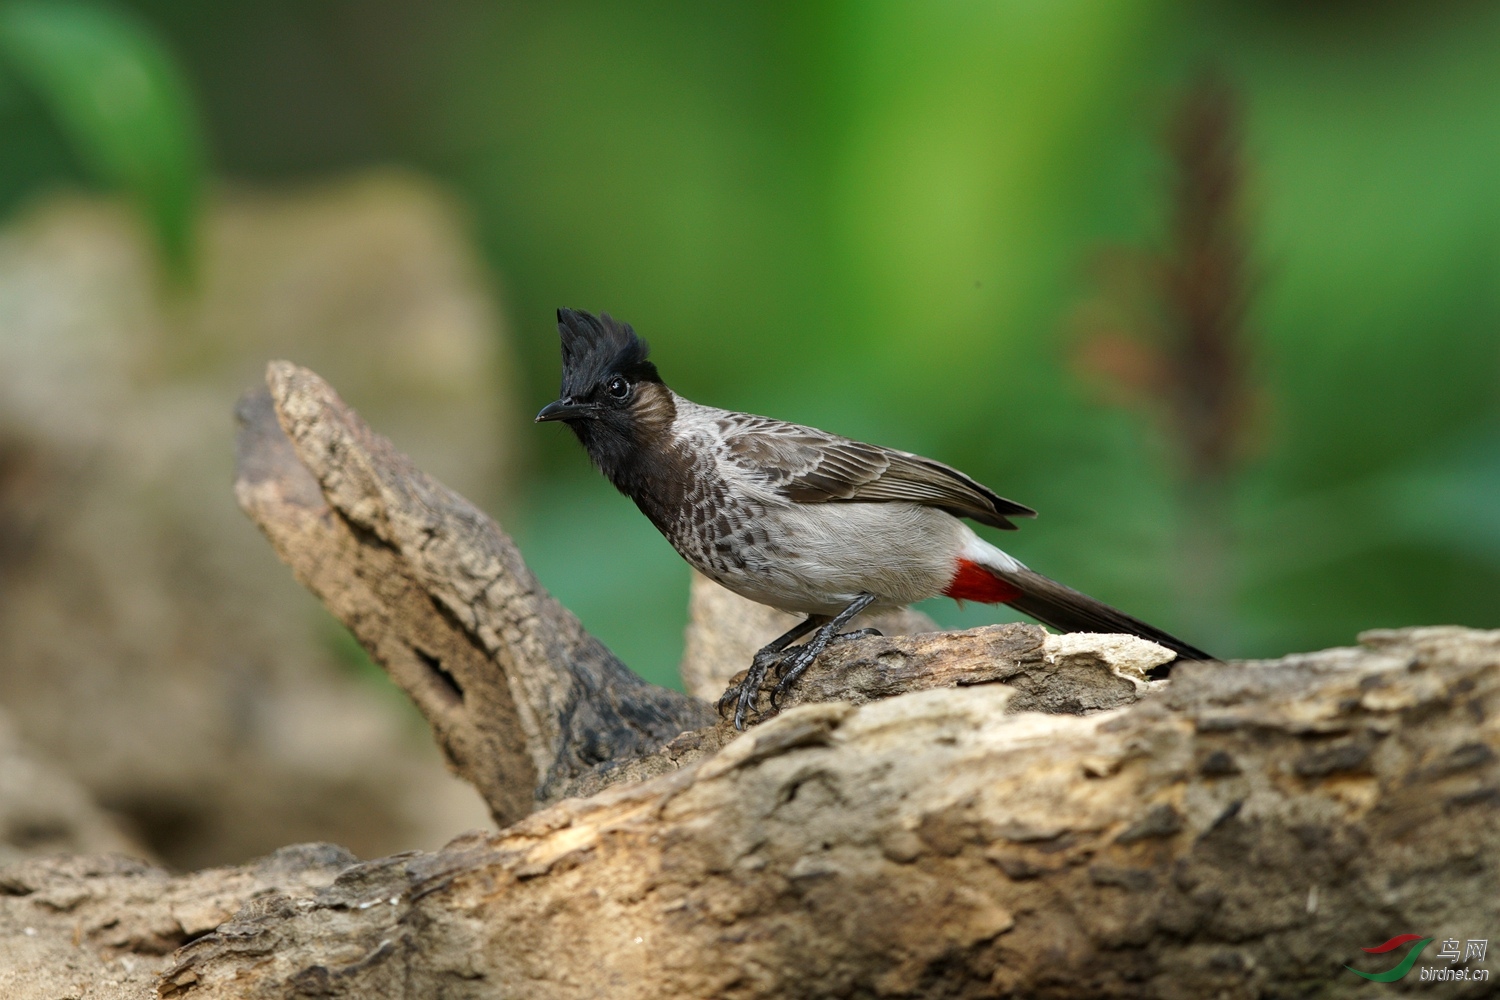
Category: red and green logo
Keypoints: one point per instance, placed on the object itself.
(1391, 945)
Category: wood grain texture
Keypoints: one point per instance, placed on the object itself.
(520, 697)
(1242, 834)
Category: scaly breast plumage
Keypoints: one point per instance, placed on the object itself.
(721, 537)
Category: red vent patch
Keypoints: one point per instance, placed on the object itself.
(972, 582)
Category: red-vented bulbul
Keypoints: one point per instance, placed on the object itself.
(797, 518)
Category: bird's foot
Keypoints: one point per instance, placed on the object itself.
(743, 695)
(784, 660)
(793, 667)
(795, 662)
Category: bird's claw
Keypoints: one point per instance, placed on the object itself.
(790, 663)
(787, 657)
(739, 697)
(795, 668)
(799, 659)
(743, 695)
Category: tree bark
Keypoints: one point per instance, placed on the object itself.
(913, 824)
(522, 700)
(1241, 835)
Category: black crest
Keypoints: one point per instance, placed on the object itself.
(594, 347)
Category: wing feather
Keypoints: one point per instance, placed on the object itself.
(807, 465)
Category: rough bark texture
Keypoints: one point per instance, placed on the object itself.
(104, 927)
(1049, 673)
(914, 824)
(527, 705)
(1243, 833)
(521, 698)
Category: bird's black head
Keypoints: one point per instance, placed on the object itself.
(612, 396)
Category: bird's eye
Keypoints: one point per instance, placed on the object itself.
(617, 387)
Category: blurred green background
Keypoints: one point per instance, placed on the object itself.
(946, 227)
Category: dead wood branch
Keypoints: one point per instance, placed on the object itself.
(104, 927)
(1241, 835)
(521, 698)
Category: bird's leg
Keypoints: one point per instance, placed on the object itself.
(860, 633)
(743, 696)
(780, 663)
(803, 656)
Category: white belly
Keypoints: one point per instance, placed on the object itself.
(820, 557)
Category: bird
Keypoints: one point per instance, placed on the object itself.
(795, 517)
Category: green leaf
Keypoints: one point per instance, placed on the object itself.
(123, 103)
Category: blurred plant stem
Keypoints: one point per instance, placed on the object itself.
(1203, 284)
(1172, 342)
(1204, 294)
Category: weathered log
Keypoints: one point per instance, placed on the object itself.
(522, 700)
(1243, 834)
(104, 927)
(1049, 673)
(1245, 831)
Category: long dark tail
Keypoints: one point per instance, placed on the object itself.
(1067, 610)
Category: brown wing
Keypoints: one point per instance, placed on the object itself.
(811, 466)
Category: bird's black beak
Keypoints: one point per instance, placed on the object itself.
(565, 409)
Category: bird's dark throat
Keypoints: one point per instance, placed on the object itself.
(633, 447)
